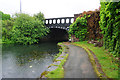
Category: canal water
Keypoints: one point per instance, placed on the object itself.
(27, 61)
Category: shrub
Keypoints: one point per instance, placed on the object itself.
(4, 16)
(78, 28)
(27, 29)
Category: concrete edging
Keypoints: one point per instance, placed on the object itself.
(56, 62)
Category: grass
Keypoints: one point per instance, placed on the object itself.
(60, 51)
(108, 63)
(59, 43)
(59, 72)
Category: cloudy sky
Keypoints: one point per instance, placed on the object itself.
(50, 8)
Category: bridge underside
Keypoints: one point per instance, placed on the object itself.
(57, 35)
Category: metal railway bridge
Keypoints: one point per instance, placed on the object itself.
(61, 23)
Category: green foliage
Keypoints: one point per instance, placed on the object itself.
(78, 28)
(0, 29)
(0, 41)
(110, 26)
(39, 16)
(27, 29)
(4, 16)
(6, 30)
(5, 25)
(23, 29)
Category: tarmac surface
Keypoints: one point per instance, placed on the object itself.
(78, 64)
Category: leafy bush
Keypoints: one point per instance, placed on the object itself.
(27, 29)
(110, 26)
(78, 28)
(6, 29)
(4, 16)
(0, 30)
(39, 16)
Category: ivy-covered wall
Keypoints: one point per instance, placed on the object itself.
(102, 24)
(93, 26)
(90, 31)
(110, 26)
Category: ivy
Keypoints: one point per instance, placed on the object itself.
(110, 26)
(78, 28)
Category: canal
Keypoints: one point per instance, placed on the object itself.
(27, 61)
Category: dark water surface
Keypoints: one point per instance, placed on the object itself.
(23, 61)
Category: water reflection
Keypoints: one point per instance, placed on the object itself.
(31, 56)
(20, 61)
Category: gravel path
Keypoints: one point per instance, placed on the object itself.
(78, 64)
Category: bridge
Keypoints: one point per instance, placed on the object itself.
(61, 23)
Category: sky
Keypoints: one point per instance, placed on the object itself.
(50, 8)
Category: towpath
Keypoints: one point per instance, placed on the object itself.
(78, 64)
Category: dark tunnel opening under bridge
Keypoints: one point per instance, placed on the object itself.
(56, 35)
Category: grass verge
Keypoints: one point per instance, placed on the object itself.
(108, 63)
(59, 72)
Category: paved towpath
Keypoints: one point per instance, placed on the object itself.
(78, 64)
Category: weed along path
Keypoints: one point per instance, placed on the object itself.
(78, 64)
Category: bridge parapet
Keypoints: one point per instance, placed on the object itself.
(63, 22)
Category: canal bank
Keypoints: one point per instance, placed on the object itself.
(79, 64)
(56, 69)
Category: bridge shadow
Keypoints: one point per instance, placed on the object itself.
(56, 35)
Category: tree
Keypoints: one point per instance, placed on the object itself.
(27, 29)
(39, 16)
(4, 16)
(6, 29)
